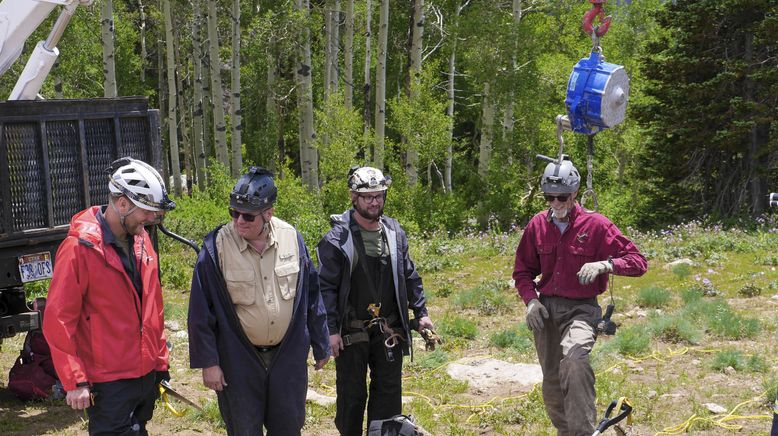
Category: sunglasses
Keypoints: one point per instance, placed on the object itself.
(562, 198)
(249, 218)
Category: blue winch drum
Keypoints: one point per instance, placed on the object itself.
(597, 95)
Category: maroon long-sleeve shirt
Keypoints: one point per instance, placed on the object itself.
(589, 237)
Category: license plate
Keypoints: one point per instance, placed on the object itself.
(35, 266)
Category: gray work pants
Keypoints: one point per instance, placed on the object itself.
(563, 347)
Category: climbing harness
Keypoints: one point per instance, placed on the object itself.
(597, 94)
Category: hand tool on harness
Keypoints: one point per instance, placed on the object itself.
(165, 389)
(597, 94)
(624, 409)
(605, 326)
(430, 336)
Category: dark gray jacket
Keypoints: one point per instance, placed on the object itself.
(336, 262)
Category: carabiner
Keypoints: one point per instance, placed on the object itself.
(588, 18)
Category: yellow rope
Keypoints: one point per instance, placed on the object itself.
(720, 421)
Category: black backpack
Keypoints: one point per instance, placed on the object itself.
(398, 425)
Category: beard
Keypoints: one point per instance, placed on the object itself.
(560, 214)
(372, 212)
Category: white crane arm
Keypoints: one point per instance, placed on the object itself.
(18, 19)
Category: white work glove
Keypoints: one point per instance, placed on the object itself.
(589, 271)
(536, 313)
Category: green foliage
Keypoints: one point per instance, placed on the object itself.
(750, 290)
(735, 359)
(432, 360)
(518, 338)
(771, 388)
(210, 414)
(682, 271)
(675, 329)
(652, 296)
(719, 319)
(767, 260)
(691, 295)
(697, 141)
(38, 288)
(340, 140)
(176, 270)
(489, 298)
(630, 341)
(301, 208)
(457, 326)
(197, 215)
(421, 118)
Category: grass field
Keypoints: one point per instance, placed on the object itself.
(688, 335)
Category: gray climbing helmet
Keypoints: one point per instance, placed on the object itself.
(255, 191)
(560, 177)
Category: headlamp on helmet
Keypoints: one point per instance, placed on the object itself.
(139, 182)
(255, 191)
(367, 179)
(560, 176)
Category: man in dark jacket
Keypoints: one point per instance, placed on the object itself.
(573, 251)
(254, 313)
(369, 283)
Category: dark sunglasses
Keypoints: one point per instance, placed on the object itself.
(562, 198)
(249, 218)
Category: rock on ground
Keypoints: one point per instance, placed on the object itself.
(487, 374)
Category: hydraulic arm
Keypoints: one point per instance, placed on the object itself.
(18, 19)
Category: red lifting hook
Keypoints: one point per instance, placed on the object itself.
(596, 11)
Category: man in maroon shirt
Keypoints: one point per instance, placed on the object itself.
(573, 251)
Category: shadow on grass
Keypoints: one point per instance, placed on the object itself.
(19, 418)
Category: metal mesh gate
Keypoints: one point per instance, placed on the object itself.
(53, 156)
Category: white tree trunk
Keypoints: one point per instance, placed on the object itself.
(172, 106)
(143, 52)
(270, 99)
(348, 57)
(414, 70)
(163, 103)
(237, 144)
(450, 112)
(487, 123)
(380, 88)
(197, 95)
(508, 120)
(186, 144)
(217, 93)
(309, 160)
(368, 65)
(109, 60)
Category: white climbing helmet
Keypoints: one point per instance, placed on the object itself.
(141, 183)
(367, 179)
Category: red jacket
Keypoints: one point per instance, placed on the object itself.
(95, 324)
(558, 257)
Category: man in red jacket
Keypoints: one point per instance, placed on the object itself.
(573, 251)
(104, 320)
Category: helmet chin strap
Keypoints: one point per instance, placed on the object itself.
(122, 217)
